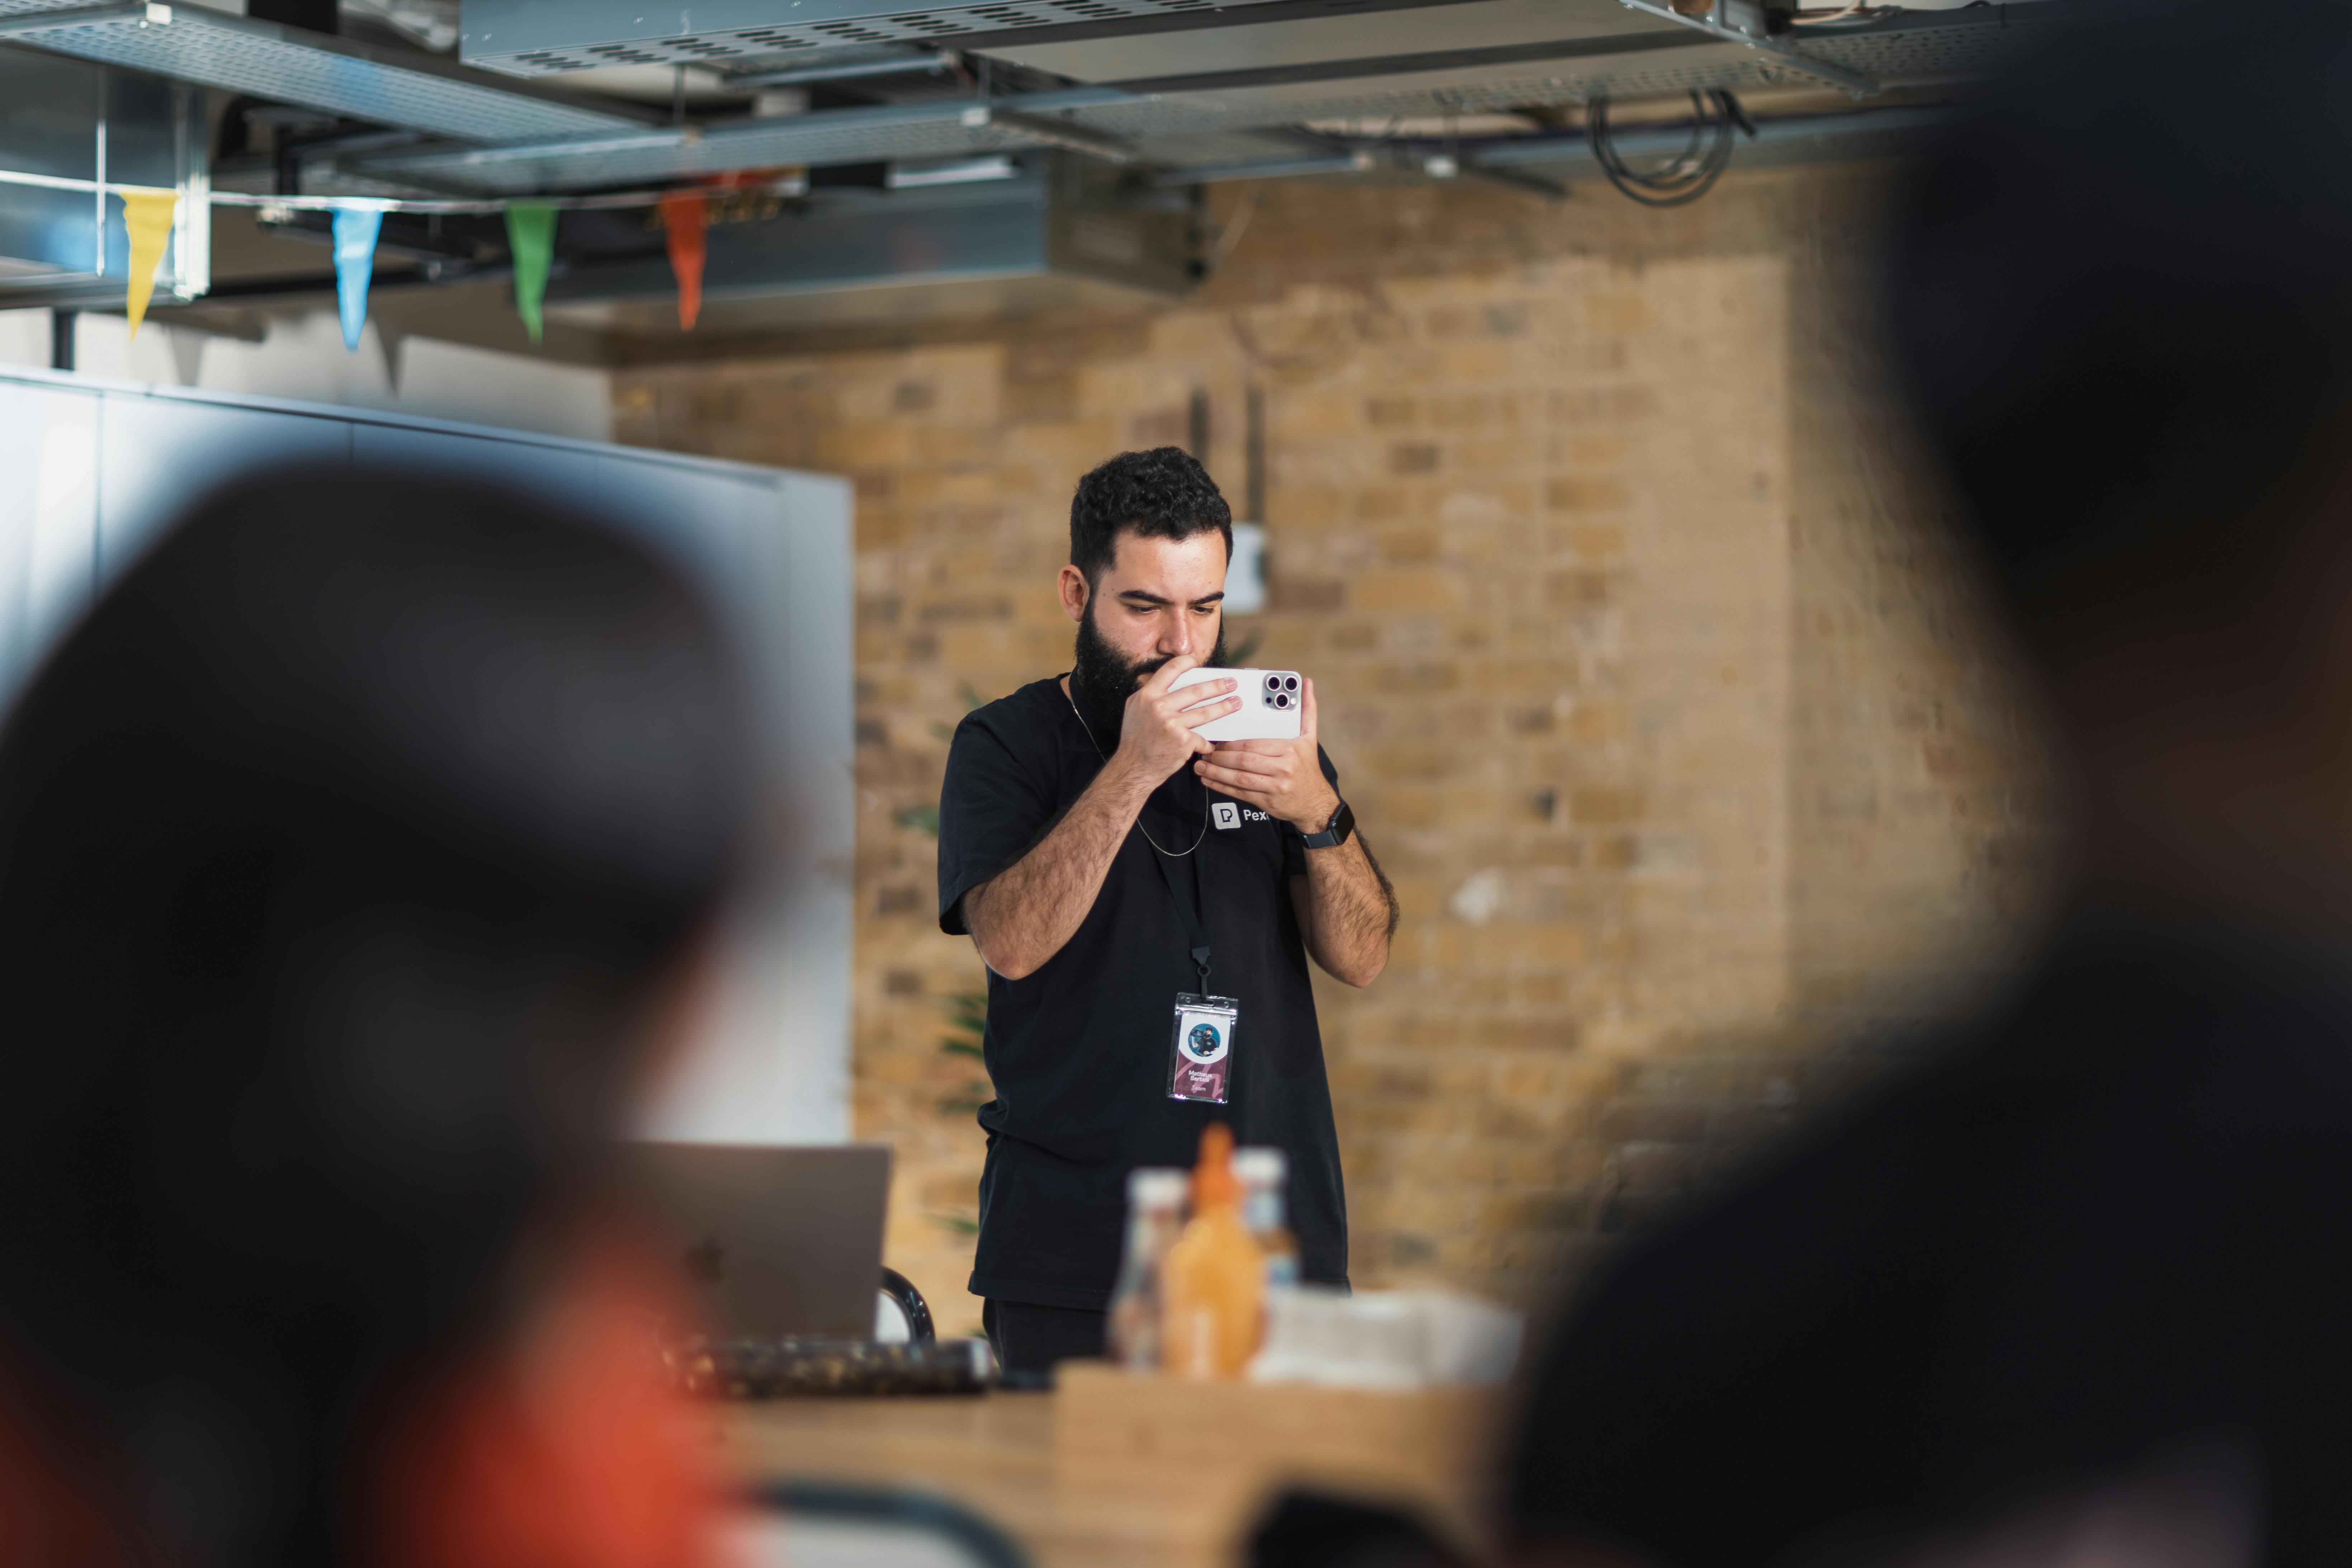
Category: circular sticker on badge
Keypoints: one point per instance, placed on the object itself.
(1204, 1043)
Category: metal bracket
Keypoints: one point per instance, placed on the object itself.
(1859, 86)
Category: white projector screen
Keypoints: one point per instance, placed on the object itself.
(91, 469)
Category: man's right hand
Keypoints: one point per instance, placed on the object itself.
(1021, 917)
(1155, 736)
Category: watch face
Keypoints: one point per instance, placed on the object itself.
(1335, 831)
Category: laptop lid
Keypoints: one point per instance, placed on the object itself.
(771, 1240)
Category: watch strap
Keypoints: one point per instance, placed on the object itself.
(1335, 832)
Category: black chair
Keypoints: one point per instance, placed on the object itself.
(900, 1292)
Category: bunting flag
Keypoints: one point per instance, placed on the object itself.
(147, 218)
(355, 232)
(685, 214)
(530, 240)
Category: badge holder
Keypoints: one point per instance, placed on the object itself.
(1200, 1054)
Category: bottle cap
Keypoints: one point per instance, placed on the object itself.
(1213, 1178)
(1157, 1187)
(1260, 1164)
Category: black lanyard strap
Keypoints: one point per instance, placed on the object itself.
(1191, 914)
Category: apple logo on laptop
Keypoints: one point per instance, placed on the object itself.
(705, 1261)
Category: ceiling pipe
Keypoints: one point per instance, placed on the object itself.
(854, 70)
(1488, 154)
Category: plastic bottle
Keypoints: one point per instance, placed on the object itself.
(1155, 1217)
(1264, 1176)
(1212, 1287)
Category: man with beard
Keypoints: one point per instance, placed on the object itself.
(1082, 850)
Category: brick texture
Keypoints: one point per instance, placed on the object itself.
(1678, 731)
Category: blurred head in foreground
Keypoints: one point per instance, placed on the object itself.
(2077, 1289)
(2112, 303)
(353, 852)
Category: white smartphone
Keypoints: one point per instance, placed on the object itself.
(1271, 700)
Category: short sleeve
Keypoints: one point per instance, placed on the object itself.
(994, 808)
(1293, 849)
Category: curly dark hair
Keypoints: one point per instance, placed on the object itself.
(1164, 494)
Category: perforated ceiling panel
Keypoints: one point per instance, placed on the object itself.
(1926, 47)
(383, 87)
(839, 136)
(527, 38)
(1430, 93)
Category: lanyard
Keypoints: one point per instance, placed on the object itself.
(1192, 914)
(1188, 913)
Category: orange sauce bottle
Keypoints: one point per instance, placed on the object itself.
(1213, 1286)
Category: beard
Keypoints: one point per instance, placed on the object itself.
(1102, 678)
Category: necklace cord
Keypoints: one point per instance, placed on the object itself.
(1171, 853)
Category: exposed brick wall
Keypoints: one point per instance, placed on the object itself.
(1677, 731)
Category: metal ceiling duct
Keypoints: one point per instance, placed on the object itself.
(1070, 225)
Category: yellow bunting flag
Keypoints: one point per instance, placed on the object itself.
(147, 217)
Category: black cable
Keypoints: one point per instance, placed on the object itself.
(1686, 177)
(1682, 179)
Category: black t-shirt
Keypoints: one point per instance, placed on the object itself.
(2108, 1226)
(1078, 1052)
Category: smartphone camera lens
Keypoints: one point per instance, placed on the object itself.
(1273, 683)
(1290, 682)
(1281, 700)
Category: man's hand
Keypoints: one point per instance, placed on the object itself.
(1282, 778)
(1347, 911)
(1155, 736)
(1022, 916)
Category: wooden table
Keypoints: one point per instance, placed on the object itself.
(1093, 1499)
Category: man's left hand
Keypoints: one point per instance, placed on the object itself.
(1282, 778)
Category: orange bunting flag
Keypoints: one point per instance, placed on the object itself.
(686, 215)
(147, 218)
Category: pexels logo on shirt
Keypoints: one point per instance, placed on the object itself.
(1227, 814)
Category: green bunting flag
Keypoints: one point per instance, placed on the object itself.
(530, 240)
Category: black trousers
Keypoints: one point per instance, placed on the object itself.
(1030, 1338)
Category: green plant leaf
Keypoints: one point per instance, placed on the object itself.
(970, 699)
(962, 1048)
(957, 1223)
(921, 818)
(942, 731)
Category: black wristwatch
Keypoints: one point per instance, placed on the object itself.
(1342, 823)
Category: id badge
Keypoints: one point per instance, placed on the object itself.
(1200, 1062)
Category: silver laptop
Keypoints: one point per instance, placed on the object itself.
(771, 1241)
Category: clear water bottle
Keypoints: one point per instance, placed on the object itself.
(1264, 1176)
(1155, 1217)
